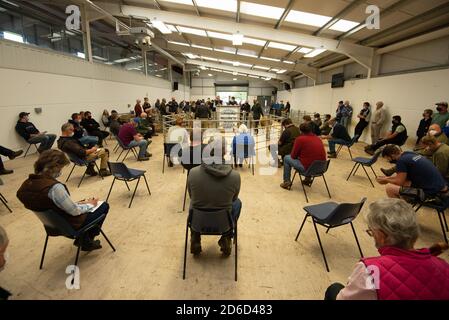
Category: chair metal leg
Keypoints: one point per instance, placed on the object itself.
(374, 172)
(445, 221)
(442, 226)
(43, 253)
(350, 173)
(135, 189)
(321, 246)
(163, 162)
(109, 242)
(185, 251)
(110, 189)
(294, 176)
(252, 164)
(120, 155)
(302, 225)
(303, 188)
(185, 193)
(419, 207)
(3, 197)
(28, 149)
(327, 188)
(357, 169)
(356, 240)
(4, 201)
(127, 185)
(78, 251)
(349, 150)
(339, 149)
(134, 153)
(82, 178)
(148, 188)
(366, 172)
(126, 155)
(235, 244)
(98, 169)
(70, 174)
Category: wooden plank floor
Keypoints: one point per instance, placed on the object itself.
(149, 239)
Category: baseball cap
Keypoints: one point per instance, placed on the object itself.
(442, 104)
(23, 114)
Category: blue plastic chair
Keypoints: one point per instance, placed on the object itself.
(349, 145)
(81, 163)
(210, 222)
(3, 199)
(317, 169)
(364, 162)
(125, 148)
(332, 215)
(122, 173)
(55, 225)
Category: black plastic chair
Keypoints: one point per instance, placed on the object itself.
(55, 225)
(440, 208)
(189, 162)
(125, 148)
(3, 199)
(210, 222)
(81, 163)
(364, 162)
(332, 215)
(244, 151)
(317, 169)
(166, 157)
(349, 145)
(29, 146)
(121, 172)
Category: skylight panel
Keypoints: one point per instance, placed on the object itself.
(314, 53)
(271, 59)
(305, 50)
(261, 68)
(344, 25)
(226, 61)
(197, 32)
(172, 28)
(201, 47)
(288, 62)
(281, 46)
(179, 43)
(307, 18)
(220, 35)
(253, 41)
(246, 54)
(224, 5)
(261, 10)
(186, 2)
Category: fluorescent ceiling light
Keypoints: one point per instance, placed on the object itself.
(201, 47)
(235, 63)
(305, 50)
(267, 79)
(210, 74)
(163, 69)
(225, 50)
(179, 43)
(235, 79)
(241, 74)
(344, 25)
(229, 72)
(203, 68)
(247, 54)
(237, 39)
(275, 70)
(197, 32)
(213, 69)
(209, 58)
(251, 76)
(220, 35)
(307, 18)
(99, 58)
(261, 68)
(11, 3)
(12, 36)
(186, 2)
(224, 5)
(253, 41)
(158, 75)
(81, 55)
(245, 65)
(281, 46)
(261, 10)
(314, 53)
(235, 73)
(226, 61)
(281, 71)
(288, 62)
(271, 59)
(160, 25)
(191, 55)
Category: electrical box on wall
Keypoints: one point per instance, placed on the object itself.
(38, 110)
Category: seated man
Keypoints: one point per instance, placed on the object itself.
(393, 225)
(439, 153)
(144, 127)
(307, 148)
(29, 132)
(413, 170)
(397, 136)
(73, 146)
(315, 128)
(114, 124)
(286, 141)
(129, 136)
(42, 192)
(243, 140)
(223, 186)
(93, 128)
(11, 155)
(338, 135)
(80, 133)
(325, 127)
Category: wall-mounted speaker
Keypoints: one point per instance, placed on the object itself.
(175, 85)
(287, 86)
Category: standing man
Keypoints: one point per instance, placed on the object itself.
(138, 108)
(29, 132)
(146, 104)
(346, 114)
(339, 111)
(257, 114)
(379, 119)
(364, 117)
(173, 106)
(442, 117)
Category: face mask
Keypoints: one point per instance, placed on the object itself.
(6, 258)
(393, 122)
(439, 109)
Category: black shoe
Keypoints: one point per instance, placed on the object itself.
(105, 173)
(225, 244)
(94, 245)
(5, 171)
(332, 155)
(91, 171)
(308, 182)
(15, 154)
(195, 247)
(170, 164)
(241, 165)
(143, 159)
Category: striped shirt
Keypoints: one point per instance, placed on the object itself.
(61, 198)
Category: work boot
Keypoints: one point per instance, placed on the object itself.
(5, 171)
(93, 245)
(286, 185)
(91, 171)
(332, 155)
(15, 154)
(195, 243)
(143, 159)
(225, 244)
(388, 172)
(105, 173)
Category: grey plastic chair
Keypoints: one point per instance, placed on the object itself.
(317, 169)
(211, 222)
(332, 215)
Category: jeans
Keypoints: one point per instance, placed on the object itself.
(91, 216)
(142, 144)
(345, 121)
(88, 140)
(333, 142)
(46, 141)
(333, 290)
(288, 164)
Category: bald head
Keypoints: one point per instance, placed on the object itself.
(379, 104)
(434, 129)
(143, 115)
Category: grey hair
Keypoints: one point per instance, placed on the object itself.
(3, 237)
(66, 126)
(397, 219)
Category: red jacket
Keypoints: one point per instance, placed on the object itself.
(138, 110)
(409, 275)
(308, 148)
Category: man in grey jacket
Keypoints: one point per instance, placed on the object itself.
(223, 186)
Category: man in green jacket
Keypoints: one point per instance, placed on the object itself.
(440, 154)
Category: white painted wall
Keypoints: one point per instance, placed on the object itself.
(406, 95)
(61, 85)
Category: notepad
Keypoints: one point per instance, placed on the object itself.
(96, 207)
